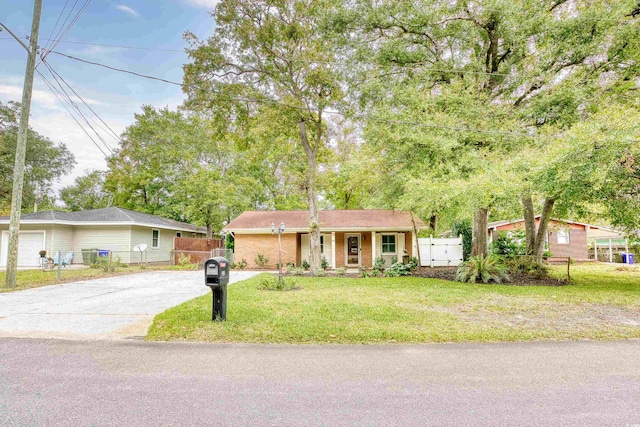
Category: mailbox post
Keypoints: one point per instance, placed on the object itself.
(216, 277)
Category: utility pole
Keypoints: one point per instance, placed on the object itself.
(21, 148)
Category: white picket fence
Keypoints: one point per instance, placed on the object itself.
(440, 252)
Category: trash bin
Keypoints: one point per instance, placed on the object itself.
(628, 259)
(89, 256)
(103, 252)
(617, 257)
(624, 257)
(216, 277)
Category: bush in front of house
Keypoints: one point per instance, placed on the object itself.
(398, 269)
(261, 260)
(509, 243)
(527, 265)
(484, 269)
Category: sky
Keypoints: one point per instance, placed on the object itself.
(114, 96)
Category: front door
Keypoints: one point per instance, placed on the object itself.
(352, 250)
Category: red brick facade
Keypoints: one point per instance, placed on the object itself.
(248, 246)
(577, 233)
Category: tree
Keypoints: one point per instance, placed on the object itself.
(276, 53)
(87, 192)
(515, 67)
(45, 162)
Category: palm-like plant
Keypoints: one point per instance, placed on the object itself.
(485, 269)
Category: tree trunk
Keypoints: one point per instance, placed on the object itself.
(209, 231)
(433, 222)
(312, 200)
(479, 232)
(529, 223)
(542, 229)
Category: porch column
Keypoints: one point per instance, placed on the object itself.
(414, 245)
(373, 247)
(610, 250)
(333, 250)
(595, 248)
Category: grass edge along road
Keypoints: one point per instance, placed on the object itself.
(603, 302)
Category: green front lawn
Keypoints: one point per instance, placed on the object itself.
(602, 303)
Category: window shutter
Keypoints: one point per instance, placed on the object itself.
(400, 245)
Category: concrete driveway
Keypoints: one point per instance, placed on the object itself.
(110, 308)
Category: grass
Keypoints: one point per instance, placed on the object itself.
(603, 302)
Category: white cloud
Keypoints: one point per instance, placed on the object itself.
(42, 98)
(207, 4)
(127, 10)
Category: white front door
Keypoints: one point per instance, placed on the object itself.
(29, 244)
(352, 250)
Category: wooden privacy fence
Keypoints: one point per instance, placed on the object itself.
(440, 252)
(198, 250)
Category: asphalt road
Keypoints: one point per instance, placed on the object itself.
(134, 383)
(108, 308)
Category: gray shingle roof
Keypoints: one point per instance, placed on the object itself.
(107, 215)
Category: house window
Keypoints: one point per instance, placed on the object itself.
(321, 244)
(155, 239)
(563, 237)
(388, 243)
(178, 234)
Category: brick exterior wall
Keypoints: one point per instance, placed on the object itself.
(577, 247)
(247, 246)
(339, 249)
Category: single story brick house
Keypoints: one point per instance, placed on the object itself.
(564, 238)
(348, 238)
(111, 229)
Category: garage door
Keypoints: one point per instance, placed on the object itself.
(30, 243)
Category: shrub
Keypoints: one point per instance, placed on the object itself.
(305, 264)
(242, 264)
(261, 260)
(271, 283)
(341, 271)
(363, 271)
(485, 269)
(527, 265)
(510, 243)
(320, 273)
(413, 263)
(295, 271)
(463, 227)
(184, 263)
(394, 259)
(398, 269)
(379, 265)
(324, 263)
(107, 264)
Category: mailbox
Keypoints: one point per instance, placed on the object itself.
(216, 277)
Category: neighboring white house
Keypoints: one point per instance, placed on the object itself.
(113, 229)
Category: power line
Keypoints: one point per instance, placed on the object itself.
(57, 21)
(84, 102)
(61, 98)
(268, 101)
(108, 45)
(81, 114)
(63, 32)
(55, 93)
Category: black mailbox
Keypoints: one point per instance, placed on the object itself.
(216, 276)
